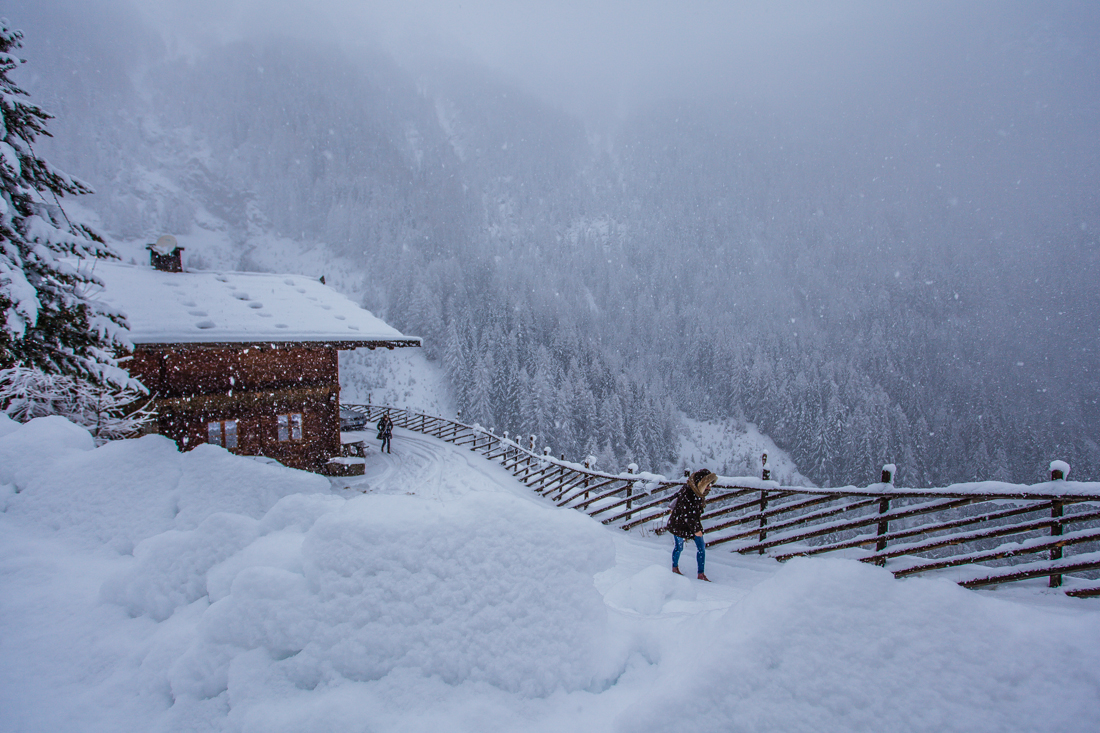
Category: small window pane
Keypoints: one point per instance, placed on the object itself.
(230, 433)
(284, 434)
(214, 433)
(296, 426)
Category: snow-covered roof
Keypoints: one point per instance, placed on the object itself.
(238, 307)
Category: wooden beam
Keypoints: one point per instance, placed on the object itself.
(341, 345)
(1064, 566)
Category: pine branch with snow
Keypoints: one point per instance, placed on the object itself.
(49, 318)
(107, 411)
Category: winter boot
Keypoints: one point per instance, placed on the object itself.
(703, 577)
(676, 570)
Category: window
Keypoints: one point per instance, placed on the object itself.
(222, 432)
(290, 426)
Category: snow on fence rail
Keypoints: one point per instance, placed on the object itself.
(986, 532)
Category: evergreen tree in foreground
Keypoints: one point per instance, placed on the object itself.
(47, 319)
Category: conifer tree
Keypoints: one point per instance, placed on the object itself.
(47, 318)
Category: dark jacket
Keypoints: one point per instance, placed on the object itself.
(385, 427)
(687, 517)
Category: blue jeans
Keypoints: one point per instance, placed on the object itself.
(700, 552)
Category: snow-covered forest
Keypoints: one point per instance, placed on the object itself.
(892, 268)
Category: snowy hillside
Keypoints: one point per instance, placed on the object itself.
(400, 378)
(763, 253)
(734, 448)
(406, 378)
(143, 589)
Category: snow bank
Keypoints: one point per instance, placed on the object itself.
(648, 591)
(256, 601)
(7, 425)
(837, 645)
(170, 568)
(322, 593)
(25, 449)
(126, 491)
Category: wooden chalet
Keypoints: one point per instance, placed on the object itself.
(247, 361)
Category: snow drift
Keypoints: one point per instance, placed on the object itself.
(145, 589)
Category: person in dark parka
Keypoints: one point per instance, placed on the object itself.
(385, 431)
(686, 519)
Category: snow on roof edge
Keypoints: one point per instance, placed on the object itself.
(212, 308)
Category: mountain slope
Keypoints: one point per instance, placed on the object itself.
(731, 259)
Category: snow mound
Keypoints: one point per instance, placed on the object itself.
(170, 569)
(487, 588)
(25, 449)
(254, 601)
(126, 491)
(648, 591)
(215, 480)
(837, 645)
(7, 425)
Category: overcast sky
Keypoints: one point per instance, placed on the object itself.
(599, 58)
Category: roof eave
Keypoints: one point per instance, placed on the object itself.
(341, 345)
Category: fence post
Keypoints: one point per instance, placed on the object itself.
(1055, 531)
(763, 519)
(1059, 470)
(887, 477)
(765, 473)
(630, 489)
(883, 528)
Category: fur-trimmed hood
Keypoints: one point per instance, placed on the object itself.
(700, 482)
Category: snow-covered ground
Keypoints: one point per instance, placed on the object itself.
(146, 590)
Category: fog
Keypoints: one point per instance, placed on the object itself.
(593, 58)
(996, 101)
(869, 227)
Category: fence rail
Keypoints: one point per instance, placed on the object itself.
(982, 533)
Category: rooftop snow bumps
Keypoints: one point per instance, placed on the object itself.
(236, 307)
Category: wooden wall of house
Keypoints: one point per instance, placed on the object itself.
(252, 385)
(182, 371)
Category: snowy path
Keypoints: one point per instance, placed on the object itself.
(435, 469)
(424, 466)
(437, 593)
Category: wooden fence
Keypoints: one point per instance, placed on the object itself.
(978, 534)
